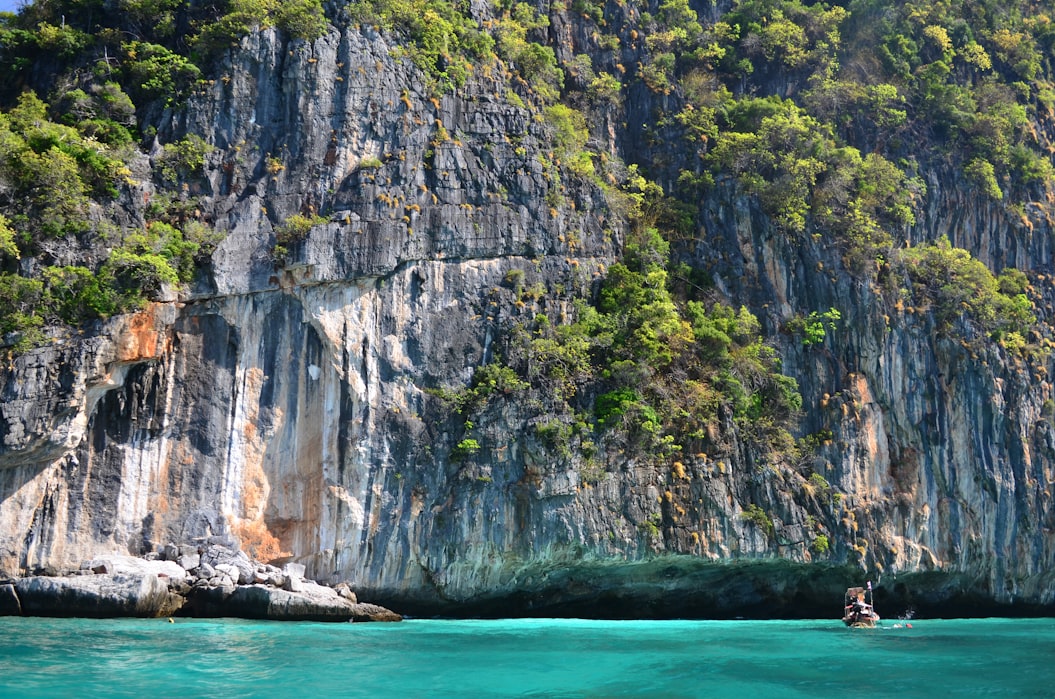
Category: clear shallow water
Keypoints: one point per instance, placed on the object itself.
(524, 658)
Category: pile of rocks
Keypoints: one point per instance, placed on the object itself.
(189, 580)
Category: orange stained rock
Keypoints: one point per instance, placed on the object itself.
(258, 540)
(142, 338)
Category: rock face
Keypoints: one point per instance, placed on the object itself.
(285, 403)
(99, 596)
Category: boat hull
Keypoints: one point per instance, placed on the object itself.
(861, 621)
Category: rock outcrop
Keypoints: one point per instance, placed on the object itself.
(287, 402)
(230, 586)
(102, 595)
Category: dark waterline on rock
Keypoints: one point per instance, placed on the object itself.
(684, 587)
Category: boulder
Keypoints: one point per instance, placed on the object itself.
(343, 590)
(114, 564)
(189, 561)
(215, 555)
(363, 611)
(170, 552)
(100, 596)
(314, 603)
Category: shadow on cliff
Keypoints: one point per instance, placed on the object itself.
(687, 588)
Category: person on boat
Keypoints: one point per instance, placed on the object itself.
(860, 607)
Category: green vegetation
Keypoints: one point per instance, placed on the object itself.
(820, 545)
(61, 163)
(293, 230)
(651, 371)
(52, 170)
(535, 63)
(821, 111)
(825, 115)
(489, 380)
(801, 173)
(960, 289)
(154, 72)
(301, 19)
(650, 527)
(444, 42)
(144, 42)
(640, 367)
(50, 174)
(465, 449)
(146, 262)
(182, 159)
(758, 517)
(447, 44)
(814, 327)
(296, 228)
(819, 483)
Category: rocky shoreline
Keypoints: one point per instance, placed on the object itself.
(186, 580)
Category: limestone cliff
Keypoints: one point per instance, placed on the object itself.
(290, 398)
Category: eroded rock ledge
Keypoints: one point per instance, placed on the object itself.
(687, 587)
(187, 580)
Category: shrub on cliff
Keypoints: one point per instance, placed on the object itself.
(960, 287)
(301, 19)
(656, 373)
(444, 42)
(52, 169)
(154, 71)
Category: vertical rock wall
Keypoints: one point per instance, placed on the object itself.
(288, 401)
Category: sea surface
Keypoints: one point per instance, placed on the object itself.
(525, 658)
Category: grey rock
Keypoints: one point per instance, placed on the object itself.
(117, 595)
(222, 580)
(189, 561)
(113, 564)
(315, 603)
(240, 568)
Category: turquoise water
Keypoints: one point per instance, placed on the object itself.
(524, 658)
